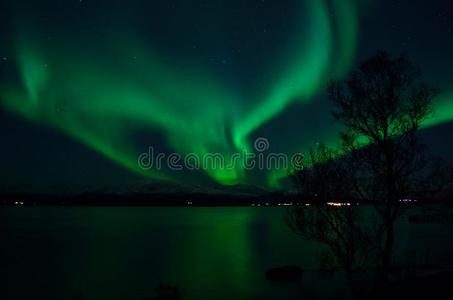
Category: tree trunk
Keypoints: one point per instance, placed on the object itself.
(392, 202)
(387, 252)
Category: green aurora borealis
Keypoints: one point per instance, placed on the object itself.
(106, 86)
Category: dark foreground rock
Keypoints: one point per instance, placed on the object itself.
(284, 273)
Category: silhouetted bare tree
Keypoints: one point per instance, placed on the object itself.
(325, 178)
(381, 107)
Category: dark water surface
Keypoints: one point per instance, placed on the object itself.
(210, 253)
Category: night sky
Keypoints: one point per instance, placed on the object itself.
(86, 86)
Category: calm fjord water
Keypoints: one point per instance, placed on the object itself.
(124, 252)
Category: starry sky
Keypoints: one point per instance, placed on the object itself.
(87, 86)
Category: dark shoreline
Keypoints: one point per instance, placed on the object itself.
(172, 200)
